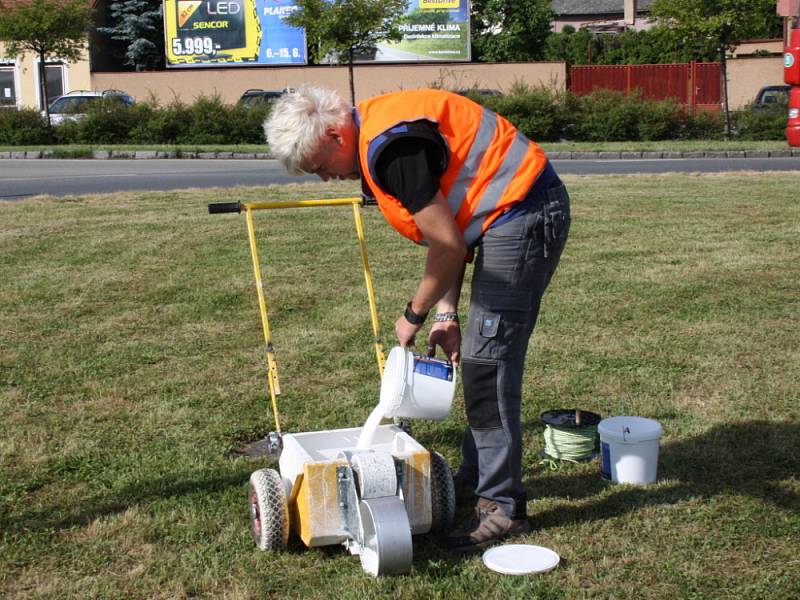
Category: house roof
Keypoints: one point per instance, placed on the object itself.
(595, 7)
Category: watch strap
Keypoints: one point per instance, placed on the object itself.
(441, 317)
(412, 317)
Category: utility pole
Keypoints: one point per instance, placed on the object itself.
(630, 13)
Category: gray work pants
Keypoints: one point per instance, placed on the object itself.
(514, 264)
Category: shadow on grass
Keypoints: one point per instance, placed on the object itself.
(750, 458)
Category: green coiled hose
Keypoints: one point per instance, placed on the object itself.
(570, 444)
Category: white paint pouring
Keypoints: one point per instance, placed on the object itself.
(370, 427)
(413, 387)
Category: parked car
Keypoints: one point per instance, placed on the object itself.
(72, 106)
(772, 95)
(256, 97)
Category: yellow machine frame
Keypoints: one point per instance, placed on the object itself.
(272, 366)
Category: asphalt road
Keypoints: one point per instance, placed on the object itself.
(22, 178)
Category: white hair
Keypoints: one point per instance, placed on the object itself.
(298, 121)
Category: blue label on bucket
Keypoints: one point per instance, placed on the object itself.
(433, 367)
(605, 461)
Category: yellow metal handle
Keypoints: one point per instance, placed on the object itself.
(300, 203)
(272, 365)
(373, 309)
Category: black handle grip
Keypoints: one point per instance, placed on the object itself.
(224, 207)
(368, 200)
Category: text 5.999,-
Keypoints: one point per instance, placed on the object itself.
(192, 45)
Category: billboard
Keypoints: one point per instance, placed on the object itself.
(215, 33)
(433, 30)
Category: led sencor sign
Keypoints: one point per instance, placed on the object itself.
(206, 33)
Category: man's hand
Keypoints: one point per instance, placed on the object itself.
(446, 335)
(444, 269)
(405, 332)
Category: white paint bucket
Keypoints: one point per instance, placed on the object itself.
(416, 386)
(629, 449)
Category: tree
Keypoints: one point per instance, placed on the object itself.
(726, 23)
(570, 46)
(510, 30)
(51, 29)
(657, 45)
(342, 29)
(139, 25)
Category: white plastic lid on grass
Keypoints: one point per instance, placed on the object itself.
(520, 559)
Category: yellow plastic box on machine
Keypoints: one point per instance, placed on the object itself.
(310, 465)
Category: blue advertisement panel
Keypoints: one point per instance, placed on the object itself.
(205, 33)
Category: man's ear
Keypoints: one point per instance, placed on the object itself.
(333, 133)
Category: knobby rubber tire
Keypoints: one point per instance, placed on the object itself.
(269, 510)
(443, 494)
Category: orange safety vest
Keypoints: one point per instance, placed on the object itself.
(492, 165)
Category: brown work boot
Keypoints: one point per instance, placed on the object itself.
(486, 526)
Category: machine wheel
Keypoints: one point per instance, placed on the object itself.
(385, 536)
(443, 494)
(269, 510)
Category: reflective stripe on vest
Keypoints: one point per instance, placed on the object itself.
(466, 174)
(491, 168)
(499, 183)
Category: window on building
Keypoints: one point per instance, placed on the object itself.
(54, 78)
(8, 92)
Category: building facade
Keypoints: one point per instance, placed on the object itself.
(19, 79)
(602, 16)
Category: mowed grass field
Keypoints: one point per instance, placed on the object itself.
(132, 369)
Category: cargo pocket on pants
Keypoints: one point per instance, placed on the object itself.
(497, 323)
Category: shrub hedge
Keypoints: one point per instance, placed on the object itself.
(23, 127)
(540, 114)
(761, 122)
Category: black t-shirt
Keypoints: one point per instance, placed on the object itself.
(410, 166)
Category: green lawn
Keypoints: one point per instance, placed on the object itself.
(131, 369)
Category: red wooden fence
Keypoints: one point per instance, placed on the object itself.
(696, 85)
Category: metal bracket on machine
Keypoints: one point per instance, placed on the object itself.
(348, 507)
(274, 443)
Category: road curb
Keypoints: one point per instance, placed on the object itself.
(555, 155)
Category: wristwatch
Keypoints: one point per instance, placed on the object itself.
(412, 317)
(440, 317)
